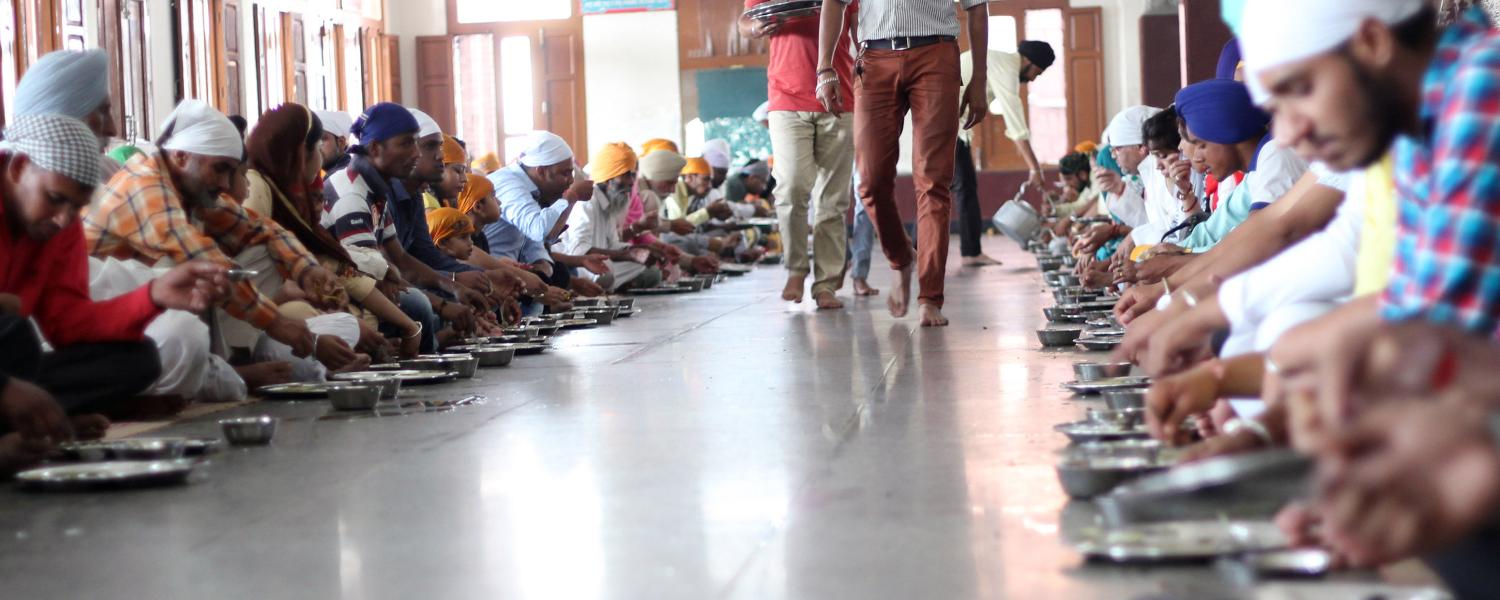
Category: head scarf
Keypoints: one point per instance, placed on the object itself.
(1086, 147)
(1220, 111)
(335, 122)
(72, 83)
(453, 154)
(1128, 127)
(444, 223)
(756, 169)
(426, 125)
(762, 112)
(383, 121)
(544, 149)
(197, 128)
(56, 143)
(489, 163)
(476, 189)
(662, 165)
(716, 152)
(1038, 52)
(1229, 60)
(275, 150)
(697, 166)
(655, 144)
(1106, 159)
(123, 154)
(1279, 32)
(613, 160)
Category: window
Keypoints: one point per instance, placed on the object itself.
(271, 58)
(473, 98)
(135, 80)
(518, 99)
(1003, 33)
(354, 74)
(200, 66)
(496, 11)
(1047, 97)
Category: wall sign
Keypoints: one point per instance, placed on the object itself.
(597, 7)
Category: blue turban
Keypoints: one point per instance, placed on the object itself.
(1220, 111)
(72, 83)
(1106, 159)
(1229, 60)
(383, 121)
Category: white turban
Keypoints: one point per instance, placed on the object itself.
(56, 143)
(335, 122)
(716, 152)
(662, 165)
(1278, 32)
(426, 124)
(762, 112)
(544, 148)
(197, 128)
(1128, 127)
(72, 83)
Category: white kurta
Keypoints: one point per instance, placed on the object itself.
(1163, 210)
(592, 225)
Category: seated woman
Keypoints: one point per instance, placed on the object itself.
(285, 182)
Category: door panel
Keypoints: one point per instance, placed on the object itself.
(435, 78)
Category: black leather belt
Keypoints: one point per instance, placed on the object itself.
(908, 42)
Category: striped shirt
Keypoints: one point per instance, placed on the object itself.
(881, 19)
(357, 213)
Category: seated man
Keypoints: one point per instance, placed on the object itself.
(171, 206)
(692, 206)
(99, 355)
(658, 178)
(335, 143)
(72, 83)
(538, 190)
(594, 226)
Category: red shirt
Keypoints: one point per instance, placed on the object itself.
(52, 280)
(792, 78)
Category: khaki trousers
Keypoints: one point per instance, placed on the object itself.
(814, 160)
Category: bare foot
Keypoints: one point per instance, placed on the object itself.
(981, 261)
(259, 375)
(827, 301)
(90, 426)
(793, 290)
(900, 293)
(932, 316)
(862, 288)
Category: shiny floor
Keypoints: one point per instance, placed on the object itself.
(720, 445)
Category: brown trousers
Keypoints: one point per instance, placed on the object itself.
(888, 84)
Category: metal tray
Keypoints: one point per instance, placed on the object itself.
(569, 324)
(776, 8)
(735, 269)
(1253, 485)
(106, 475)
(659, 291)
(1179, 541)
(1104, 385)
(164, 448)
(1088, 431)
(296, 391)
(407, 377)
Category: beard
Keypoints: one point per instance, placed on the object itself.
(1384, 103)
(617, 196)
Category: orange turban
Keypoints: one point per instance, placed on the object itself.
(655, 144)
(697, 166)
(476, 189)
(489, 163)
(1088, 148)
(453, 154)
(445, 222)
(613, 160)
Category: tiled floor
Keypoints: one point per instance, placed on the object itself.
(721, 444)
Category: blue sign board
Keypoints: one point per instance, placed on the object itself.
(595, 7)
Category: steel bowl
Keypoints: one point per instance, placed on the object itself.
(390, 386)
(1125, 399)
(354, 397)
(627, 303)
(589, 302)
(1068, 279)
(488, 356)
(544, 331)
(695, 285)
(1090, 477)
(1053, 337)
(1049, 264)
(708, 282)
(1125, 417)
(249, 431)
(462, 365)
(1094, 371)
(603, 316)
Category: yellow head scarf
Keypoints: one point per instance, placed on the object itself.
(445, 222)
(1088, 148)
(613, 160)
(453, 154)
(655, 144)
(476, 189)
(489, 163)
(697, 166)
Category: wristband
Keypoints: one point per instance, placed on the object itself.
(415, 334)
(1236, 425)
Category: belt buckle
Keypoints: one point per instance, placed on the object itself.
(901, 43)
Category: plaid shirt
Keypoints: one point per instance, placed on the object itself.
(1447, 264)
(139, 215)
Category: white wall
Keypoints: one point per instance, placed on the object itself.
(163, 62)
(408, 19)
(632, 78)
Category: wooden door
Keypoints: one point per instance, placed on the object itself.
(232, 91)
(10, 72)
(135, 78)
(296, 43)
(390, 47)
(1084, 38)
(435, 79)
(271, 59)
(559, 68)
(74, 36)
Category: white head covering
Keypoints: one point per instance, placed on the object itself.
(662, 165)
(545, 148)
(762, 112)
(1278, 32)
(428, 125)
(71, 83)
(716, 152)
(56, 143)
(1127, 128)
(335, 122)
(198, 128)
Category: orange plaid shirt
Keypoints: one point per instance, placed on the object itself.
(139, 215)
